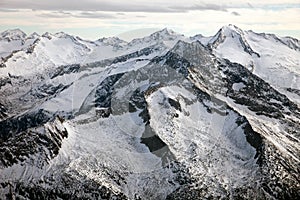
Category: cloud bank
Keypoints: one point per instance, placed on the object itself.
(91, 18)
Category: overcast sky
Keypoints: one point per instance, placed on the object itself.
(92, 19)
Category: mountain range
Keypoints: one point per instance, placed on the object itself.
(160, 117)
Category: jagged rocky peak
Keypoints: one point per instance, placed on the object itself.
(186, 54)
(63, 35)
(111, 41)
(293, 43)
(226, 31)
(33, 35)
(47, 35)
(195, 37)
(57, 35)
(229, 29)
(182, 46)
(164, 34)
(201, 38)
(167, 31)
(13, 34)
(235, 35)
(161, 35)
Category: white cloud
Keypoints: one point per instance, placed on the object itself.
(114, 5)
(140, 5)
(188, 17)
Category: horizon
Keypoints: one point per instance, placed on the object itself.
(128, 36)
(102, 18)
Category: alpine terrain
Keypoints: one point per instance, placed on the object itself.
(160, 117)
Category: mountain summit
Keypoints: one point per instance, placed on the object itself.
(13, 34)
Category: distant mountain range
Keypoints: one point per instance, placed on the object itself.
(160, 117)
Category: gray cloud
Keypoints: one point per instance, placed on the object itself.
(235, 13)
(93, 15)
(85, 14)
(62, 12)
(51, 15)
(8, 10)
(113, 6)
(199, 7)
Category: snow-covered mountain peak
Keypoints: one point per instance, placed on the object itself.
(291, 42)
(47, 35)
(166, 31)
(113, 41)
(229, 29)
(63, 35)
(197, 36)
(13, 34)
(184, 44)
(165, 34)
(226, 31)
(233, 37)
(201, 38)
(33, 35)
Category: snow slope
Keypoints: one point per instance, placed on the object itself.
(14, 40)
(53, 50)
(274, 59)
